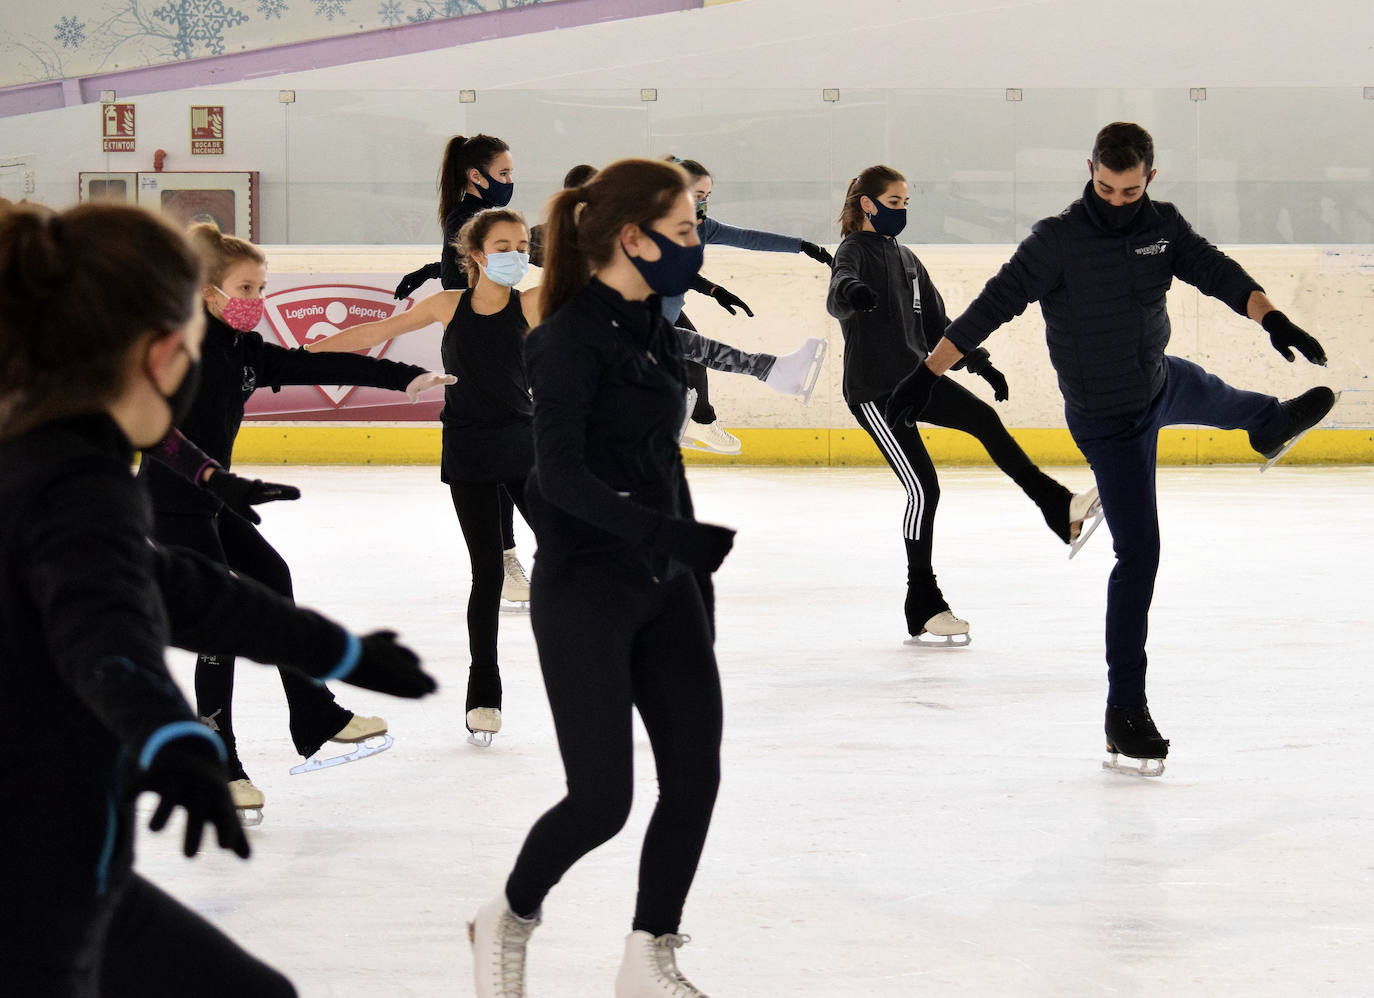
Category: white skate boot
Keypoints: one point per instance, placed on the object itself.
(944, 630)
(515, 588)
(498, 938)
(710, 437)
(649, 969)
(367, 735)
(1085, 510)
(483, 723)
(248, 801)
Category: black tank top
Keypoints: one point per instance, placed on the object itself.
(487, 414)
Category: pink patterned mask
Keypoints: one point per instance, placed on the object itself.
(242, 314)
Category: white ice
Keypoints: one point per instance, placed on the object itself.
(893, 821)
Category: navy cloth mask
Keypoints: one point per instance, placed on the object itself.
(497, 194)
(1118, 216)
(887, 221)
(671, 274)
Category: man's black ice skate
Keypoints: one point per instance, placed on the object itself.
(1304, 412)
(1131, 732)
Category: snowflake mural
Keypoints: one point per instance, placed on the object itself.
(328, 8)
(271, 8)
(390, 13)
(70, 32)
(199, 24)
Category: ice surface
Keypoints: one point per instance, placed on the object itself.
(893, 821)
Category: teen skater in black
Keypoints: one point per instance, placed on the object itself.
(236, 362)
(618, 611)
(889, 312)
(1100, 270)
(99, 336)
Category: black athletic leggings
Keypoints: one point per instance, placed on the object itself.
(696, 380)
(480, 509)
(150, 945)
(609, 644)
(233, 541)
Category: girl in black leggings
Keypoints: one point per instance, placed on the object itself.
(889, 311)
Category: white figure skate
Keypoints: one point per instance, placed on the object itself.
(796, 373)
(248, 801)
(649, 969)
(367, 735)
(710, 437)
(944, 630)
(515, 588)
(498, 938)
(483, 723)
(1085, 509)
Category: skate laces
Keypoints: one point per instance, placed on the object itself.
(515, 570)
(663, 957)
(512, 934)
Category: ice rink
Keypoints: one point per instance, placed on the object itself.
(893, 821)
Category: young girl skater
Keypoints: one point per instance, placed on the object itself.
(100, 336)
(617, 609)
(889, 312)
(237, 361)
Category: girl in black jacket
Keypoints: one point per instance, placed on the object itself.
(890, 312)
(236, 362)
(99, 343)
(617, 603)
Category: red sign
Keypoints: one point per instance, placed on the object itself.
(207, 130)
(116, 128)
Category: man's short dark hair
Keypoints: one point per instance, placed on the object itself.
(1123, 146)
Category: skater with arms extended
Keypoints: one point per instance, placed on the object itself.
(1100, 271)
(617, 608)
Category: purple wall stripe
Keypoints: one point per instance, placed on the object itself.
(383, 43)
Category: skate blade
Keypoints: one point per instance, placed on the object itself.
(1294, 442)
(482, 739)
(250, 817)
(690, 443)
(928, 640)
(515, 605)
(361, 750)
(1136, 767)
(813, 375)
(1090, 523)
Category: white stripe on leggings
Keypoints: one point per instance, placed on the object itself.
(916, 497)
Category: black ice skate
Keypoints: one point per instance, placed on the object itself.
(1131, 732)
(1304, 412)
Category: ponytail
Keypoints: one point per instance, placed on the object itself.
(870, 182)
(219, 252)
(461, 155)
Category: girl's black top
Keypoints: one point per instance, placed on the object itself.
(487, 413)
(452, 272)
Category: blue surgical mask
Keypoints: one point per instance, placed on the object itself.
(507, 269)
(887, 221)
(671, 274)
(497, 193)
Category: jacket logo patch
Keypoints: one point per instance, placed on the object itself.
(250, 381)
(1154, 249)
(303, 315)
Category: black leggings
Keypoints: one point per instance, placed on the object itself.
(481, 509)
(233, 541)
(153, 946)
(609, 644)
(507, 520)
(696, 380)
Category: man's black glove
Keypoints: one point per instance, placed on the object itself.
(860, 297)
(978, 361)
(818, 253)
(387, 667)
(729, 301)
(700, 546)
(187, 772)
(1284, 335)
(429, 272)
(240, 495)
(911, 396)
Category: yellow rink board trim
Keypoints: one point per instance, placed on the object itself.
(335, 444)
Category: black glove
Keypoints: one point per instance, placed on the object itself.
(729, 301)
(701, 546)
(1284, 335)
(818, 253)
(387, 667)
(911, 396)
(978, 361)
(240, 495)
(415, 278)
(860, 296)
(187, 772)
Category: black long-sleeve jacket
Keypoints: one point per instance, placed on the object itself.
(883, 346)
(453, 272)
(1102, 294)
(607, 379)
(233, 366)
(87, 607)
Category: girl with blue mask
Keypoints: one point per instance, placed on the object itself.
(488, 447)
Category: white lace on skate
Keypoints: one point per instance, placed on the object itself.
(710, 437)
(944, 630)
(657, 957)
(515, 587)
(500, 971)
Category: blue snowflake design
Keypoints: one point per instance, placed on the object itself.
(271, 8)
(70, 32)
(328, 8)
(431, 9)
(199, 23)
(390, 13)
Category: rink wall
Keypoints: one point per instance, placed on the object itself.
(1327, 290)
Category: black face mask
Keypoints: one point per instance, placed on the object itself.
(184, 395)
(1118, 216)
(497, 193)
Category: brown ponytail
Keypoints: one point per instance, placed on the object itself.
(77, 291)
(461, 155)
(584, 223)
(871, 182)
(474, 233)
(219, 252)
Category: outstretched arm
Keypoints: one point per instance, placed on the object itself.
(435, 308)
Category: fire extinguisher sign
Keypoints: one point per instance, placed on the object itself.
(207, 130)
(117, 128)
